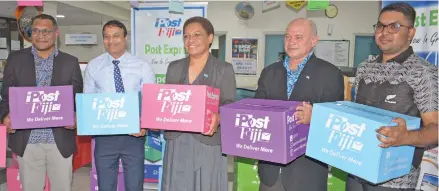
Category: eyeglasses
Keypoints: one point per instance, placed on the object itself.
(392, 28)
(44, 32)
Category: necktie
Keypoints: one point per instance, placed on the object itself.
(118, 78)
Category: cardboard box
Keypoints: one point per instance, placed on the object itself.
(151, 173)
(161, 167)
(336, 179)
(93, 166)
(343, 135)
(428, 176)
(153, 146)
(147, 186)
(263, 129)
(429, 182)
(179, 107)
(94, 182)
(41, 107)
(14, 160)
(13, 180)
(153, 139)
(246, 174)
(3, 140)
(107, 113)
(152, 155)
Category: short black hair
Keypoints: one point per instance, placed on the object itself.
(407, 10)
(115, 23)
(205, 23)
(47, 17)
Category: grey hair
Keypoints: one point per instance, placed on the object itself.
(310, 22)
(313, 27)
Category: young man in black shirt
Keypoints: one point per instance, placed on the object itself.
(398, 80)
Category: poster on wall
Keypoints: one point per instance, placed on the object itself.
(157, 35)
(269, 5)
(245, 55)
(425, 44)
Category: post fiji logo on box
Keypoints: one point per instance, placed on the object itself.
(174, 101)
(18, 180)
(344, 133)
(108, 109)
(156, 140)
(291, 119)
(43, 102)
(213, 98)
(212, 95)
(253, 129)
(96, 179)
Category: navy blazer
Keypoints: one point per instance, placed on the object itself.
(319, 81)
(20, 72)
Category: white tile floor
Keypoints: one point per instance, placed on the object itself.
(81, 178)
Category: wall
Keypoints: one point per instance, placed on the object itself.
(84, 54)
(215, 43)
(353, 17)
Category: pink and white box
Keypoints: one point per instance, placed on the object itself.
(179, 107)
(2, 146)
(14, 160)
(13, 180)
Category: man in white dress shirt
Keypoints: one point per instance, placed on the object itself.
(118, 71)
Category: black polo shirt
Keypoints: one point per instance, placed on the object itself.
(406, 84)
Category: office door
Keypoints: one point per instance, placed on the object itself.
(274, 44)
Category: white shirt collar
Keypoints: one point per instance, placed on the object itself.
(120, 58)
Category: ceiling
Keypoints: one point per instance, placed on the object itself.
(73, 15)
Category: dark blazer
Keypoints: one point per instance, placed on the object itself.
(217, 74)
(20, 72)
(319, 81)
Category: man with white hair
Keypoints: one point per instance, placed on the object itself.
(301, 76)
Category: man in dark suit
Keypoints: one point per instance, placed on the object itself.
(301, 76)
(48, 150)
